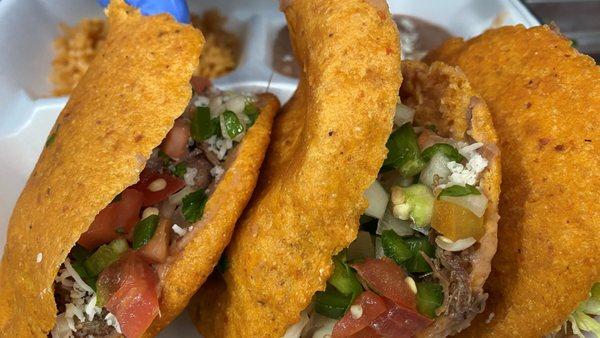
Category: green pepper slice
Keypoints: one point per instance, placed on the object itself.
(417, 263)
(331, 303)
(144, 230)
(403, 151)
(104, 256)
(430, 297)
(395, 247)
(232, 123)
(444, 148)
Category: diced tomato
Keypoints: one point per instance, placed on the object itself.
(372, 306)
(148, 176)
(367, 332)
(117, 216)
(156, 250)
(176, 141)
(200, 83)
(399, 321)
(387, 279)
(129, 288)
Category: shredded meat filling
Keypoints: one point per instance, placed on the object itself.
(95, 328)
(460, 304)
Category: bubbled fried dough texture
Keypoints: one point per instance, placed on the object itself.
(442, 97)
(122, 108)
(543, 96)
(198, 253)
(327, 147)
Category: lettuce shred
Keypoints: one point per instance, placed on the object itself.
(582, 320)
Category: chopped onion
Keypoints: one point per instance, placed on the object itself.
(458, 245)
(362, 247)
(323, 326)
(236, 104)
(403, 114)
(476, 203)
(378, 199)
(437, 166)
(295, 330)
(389, 222)
(378, 248)
(61, 328)
(178, 196)
(216, 106)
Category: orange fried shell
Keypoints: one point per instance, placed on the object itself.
(442, 97)
(199, 252)
(545, 103)
(122, 108)
(327, 147)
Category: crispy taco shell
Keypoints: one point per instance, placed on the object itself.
(443, 98)
(543, 96)
(120, 111)
(327, 147)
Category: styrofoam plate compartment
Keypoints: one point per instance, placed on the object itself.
(27, 29)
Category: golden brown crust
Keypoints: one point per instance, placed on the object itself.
(122, 109)
(442, 96)
(184, 272)
(327, 147)
(543, 96)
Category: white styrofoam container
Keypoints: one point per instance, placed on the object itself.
(28, 27)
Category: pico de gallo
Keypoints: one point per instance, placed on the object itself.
(108, 285)
(410, 261)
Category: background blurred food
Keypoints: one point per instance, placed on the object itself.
(77, 45)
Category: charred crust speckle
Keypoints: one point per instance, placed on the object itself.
(98, 121)
(261, 302)
(138, 138)
(559, 147)
(542, 142)
(528, 105)
(48, 191)
(331, 132)
(587, 140)
(330, 34)
(30, 226)
(161, 33)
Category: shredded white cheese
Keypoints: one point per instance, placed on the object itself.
(111, 320)
(39, 257)
(82, 305)
(467, 174)
(201, 101)
(190, 176)
(179, 230)
(219, 146)
(217, 171)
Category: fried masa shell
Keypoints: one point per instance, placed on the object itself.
(442, 97)
(122, 108)
(327, 147)
(200, 250)
(120, 111)
(545, 103)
